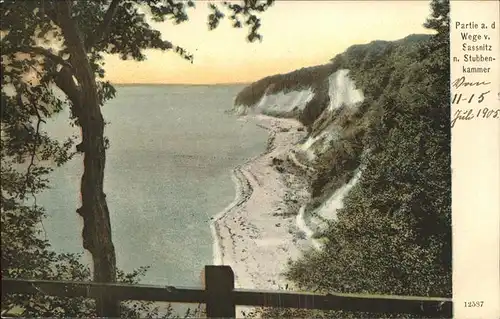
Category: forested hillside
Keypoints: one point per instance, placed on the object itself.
(393, 233)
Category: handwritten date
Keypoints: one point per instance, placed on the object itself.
(469, 114)
(459, 97)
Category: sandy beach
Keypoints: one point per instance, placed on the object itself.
(257, 234)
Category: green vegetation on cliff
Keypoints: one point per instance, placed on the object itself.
(393, 235)
(378, 69)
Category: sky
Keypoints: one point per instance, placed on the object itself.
(295, 34)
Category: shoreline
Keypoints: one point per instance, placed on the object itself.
(256, 234)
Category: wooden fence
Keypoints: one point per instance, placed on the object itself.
(221, 298)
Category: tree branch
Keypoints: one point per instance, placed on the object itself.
(64, 80)
(41, 51)
(103, 28)
(49, 11)
(36, 138)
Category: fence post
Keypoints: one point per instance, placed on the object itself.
(219, 285)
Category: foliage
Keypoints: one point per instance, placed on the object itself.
(439, 19)
(42, 73)
(393, 235)
(27, 157)
(373, 67)
(309, 77)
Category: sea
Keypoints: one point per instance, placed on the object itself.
(168, 171)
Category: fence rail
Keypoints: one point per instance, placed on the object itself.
(221, 298)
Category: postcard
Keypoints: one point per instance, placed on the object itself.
(250, 159)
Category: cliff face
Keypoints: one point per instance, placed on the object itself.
(378, 167)
(341, 104)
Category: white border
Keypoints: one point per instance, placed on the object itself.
(476, 174)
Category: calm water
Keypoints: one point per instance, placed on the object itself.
(168, 172)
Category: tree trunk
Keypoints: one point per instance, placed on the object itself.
(94, 210)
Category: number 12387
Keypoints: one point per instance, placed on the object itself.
(473, 304)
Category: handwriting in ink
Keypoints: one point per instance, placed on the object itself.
(462, 115)
(462, 81)
(459, 97)
(488, 113)
(469, 114)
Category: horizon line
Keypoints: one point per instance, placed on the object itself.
(166, 83)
